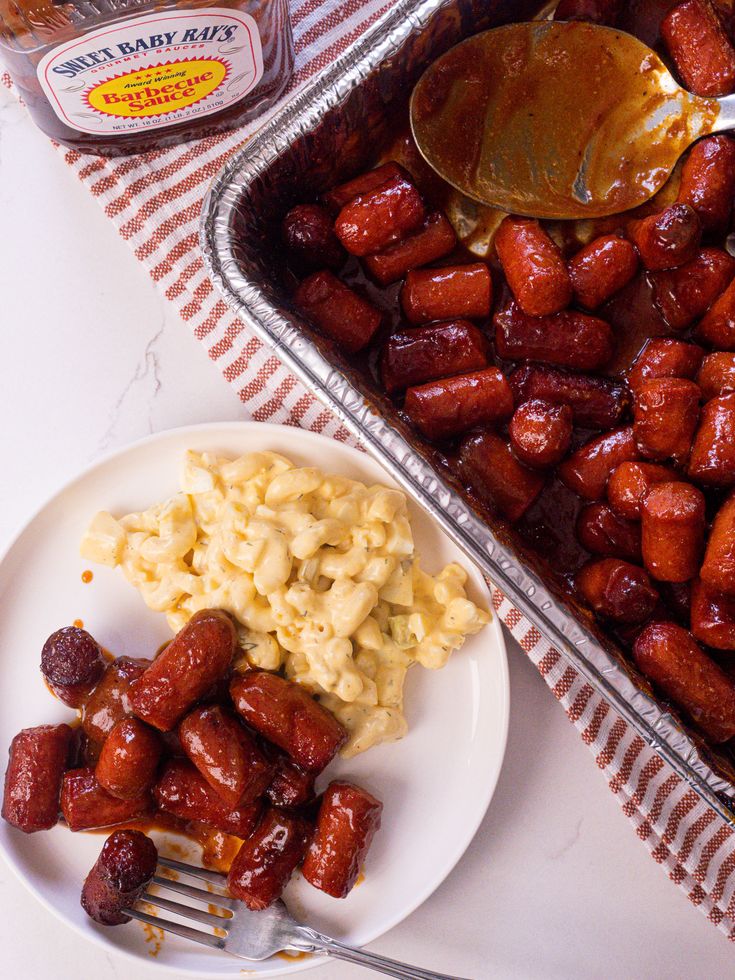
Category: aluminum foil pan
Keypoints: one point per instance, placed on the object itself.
(323, 136)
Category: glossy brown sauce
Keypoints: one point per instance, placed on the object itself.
(551, 123)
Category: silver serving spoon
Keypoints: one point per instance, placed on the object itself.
(558, 120)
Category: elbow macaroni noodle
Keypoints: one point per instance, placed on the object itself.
(318, 570)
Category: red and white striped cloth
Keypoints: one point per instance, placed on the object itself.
(155, 201)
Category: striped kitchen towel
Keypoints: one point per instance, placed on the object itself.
(155, 201)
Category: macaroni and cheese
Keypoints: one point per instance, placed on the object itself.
(319, 571)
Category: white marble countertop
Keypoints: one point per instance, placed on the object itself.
(555, 885)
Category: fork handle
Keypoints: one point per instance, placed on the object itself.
(361, 957)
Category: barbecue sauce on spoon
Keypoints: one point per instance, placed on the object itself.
(555, 120)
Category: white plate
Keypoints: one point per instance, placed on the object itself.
(435, 784)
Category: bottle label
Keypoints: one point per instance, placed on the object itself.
(153, 71)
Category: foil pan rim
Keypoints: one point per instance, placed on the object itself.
(276, 329)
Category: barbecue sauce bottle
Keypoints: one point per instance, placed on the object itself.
(122, 76)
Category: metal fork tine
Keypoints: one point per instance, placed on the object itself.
(205, 938)
(199, 894)
(214, 877)
(187, 911)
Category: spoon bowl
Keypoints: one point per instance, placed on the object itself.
(557, 120)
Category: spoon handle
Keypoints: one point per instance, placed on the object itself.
(726, 118)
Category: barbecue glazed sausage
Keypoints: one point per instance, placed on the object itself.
(265, 862)
(120, 875)
(596, 403)
(664, 358)
(308, 234)
(288, 716)
(717, 326)
(672, 525)
(668, 238)
(669, 656)
(712, 616)
(412, 357)
(109, 702)
(601, 532)
(378, 217)
(718, 567)
(225, 754)
(486, 462)
(533, 266)
(447, 293)
(601, 268)
(348, 819)
(630, 482)
(198, 656)
(129, 759)
(540, 433)
(336, 199)
(708, 181)
(568, 339)
(72, 663)
(685, 294)
(665, 416)
(617, 590)
(291, 785)
(605, 12)
(441, 409)
(587, 470)
(712, 460)
(716, 376)
(185, 793)
(37, 759)
(338, 311)
(86, 805)
(432, 241)
(699, 47)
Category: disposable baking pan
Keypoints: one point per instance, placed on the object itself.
(326, 134)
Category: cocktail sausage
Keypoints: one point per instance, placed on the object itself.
(665, 415)
(72, 663)
(338, 311)
(348, 819)
(447, 293)
(486, 462)
(288, 716)
(37, 760)
(442, 409)
(601, 268)
(700, 48)
(668, 238)
(540, 433)
(588, 469)
(432, 241)
(712, 459)
(129, 759)
(120, 875)
(184, 792)
(617, 590)
(86, 805)
(568, 339)
(199, 655)
(668, 655)
(225, 754)
(672, 525)
(265, 862)
(412, 357)
(533, 266)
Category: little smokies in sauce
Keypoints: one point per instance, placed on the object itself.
(480, 134)
(123, 76)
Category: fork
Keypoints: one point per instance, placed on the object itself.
(253, 935)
